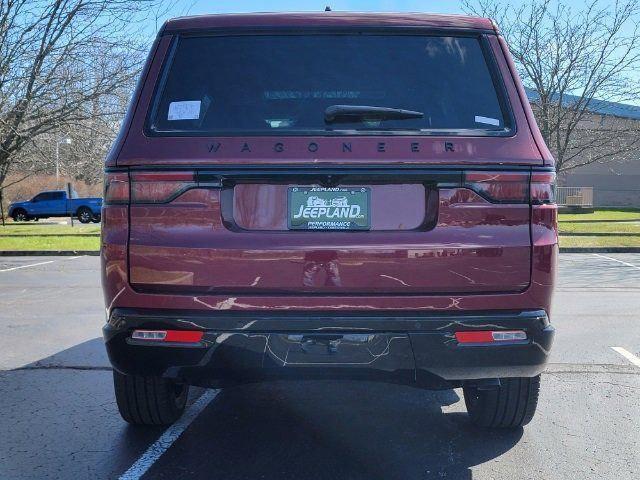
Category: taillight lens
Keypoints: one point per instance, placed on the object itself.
(499, 187)
(543, 188)
(116, 188)
(159, 187)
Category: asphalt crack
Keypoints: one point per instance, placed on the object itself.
(596, 368)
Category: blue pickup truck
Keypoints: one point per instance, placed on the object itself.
(56, 203)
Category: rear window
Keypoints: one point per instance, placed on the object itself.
(284, 84)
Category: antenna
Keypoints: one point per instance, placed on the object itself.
(327, 8)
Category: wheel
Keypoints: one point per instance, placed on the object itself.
(510, 405)
(19, 215)
(149, 400)
(96, 219)
(84, 215)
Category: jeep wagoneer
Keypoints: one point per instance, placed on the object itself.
(329, 195)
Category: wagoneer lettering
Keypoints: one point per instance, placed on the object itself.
(381, 208)
(380, 147)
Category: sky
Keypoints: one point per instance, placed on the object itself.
(195, 7)
(229, 6)
(200, 7)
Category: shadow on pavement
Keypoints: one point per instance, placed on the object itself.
(60, 421)
(331, 430)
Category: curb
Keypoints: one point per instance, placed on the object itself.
(93, 235)
(599, 249)
(48, 253)
(599, 234)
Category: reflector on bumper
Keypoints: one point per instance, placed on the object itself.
(180, 336)
(488, 336)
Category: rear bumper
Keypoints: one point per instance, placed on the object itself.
(413, 349)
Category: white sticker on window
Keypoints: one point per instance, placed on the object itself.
(187, 110)
(487, 120)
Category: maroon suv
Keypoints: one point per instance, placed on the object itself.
(330, 195)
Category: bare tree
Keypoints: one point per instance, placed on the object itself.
(575, 61)
(65, 66)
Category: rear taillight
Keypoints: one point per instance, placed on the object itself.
(159, 187)
(499, 187)
(503, 187)
(116, 188)
(543, 186)
(544, 211)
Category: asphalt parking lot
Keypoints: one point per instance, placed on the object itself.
(59, 418)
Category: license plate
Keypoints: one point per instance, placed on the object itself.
(339, 208)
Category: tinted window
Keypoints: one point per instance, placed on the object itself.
(46, 196)
(259, 83)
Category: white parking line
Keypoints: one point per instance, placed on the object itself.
(628, 355)
(170, 435)
(26, 266)
(619, 261)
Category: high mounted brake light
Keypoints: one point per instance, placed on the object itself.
(159, 187)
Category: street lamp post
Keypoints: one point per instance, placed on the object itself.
(60, 141)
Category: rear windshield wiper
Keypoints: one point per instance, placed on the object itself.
(354, 113)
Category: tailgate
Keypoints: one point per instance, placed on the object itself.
(416, 231)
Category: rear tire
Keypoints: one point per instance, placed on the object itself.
(511, 405)
(149, 400)
(84, 215)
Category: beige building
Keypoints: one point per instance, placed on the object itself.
(615, 183)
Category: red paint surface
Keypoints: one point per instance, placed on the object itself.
(476, 246)
(325, 19)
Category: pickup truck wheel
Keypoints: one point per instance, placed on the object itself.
(96, 219)
(19, 215)
(149, 400)
(510, 405)
(84, 215)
